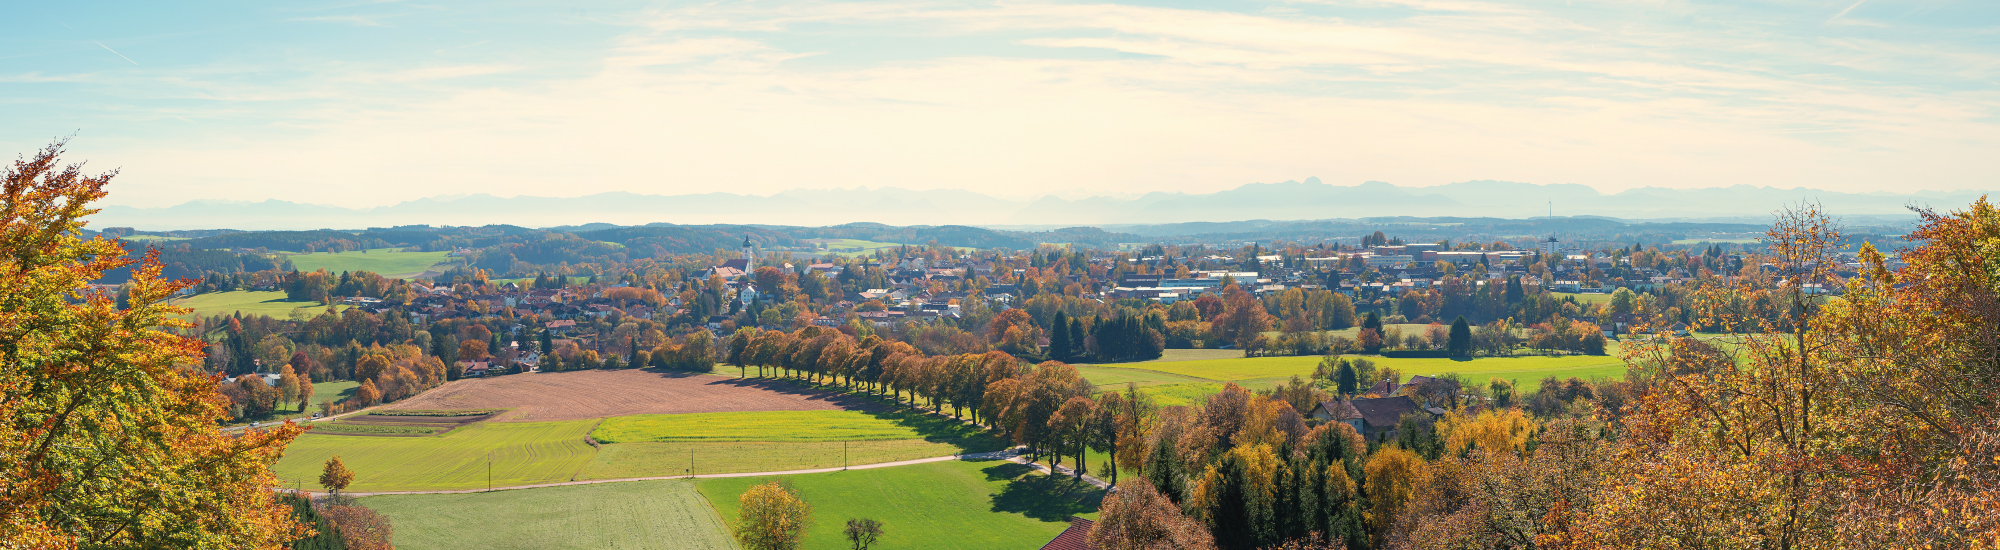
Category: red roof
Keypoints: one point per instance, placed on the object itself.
(1076, 537)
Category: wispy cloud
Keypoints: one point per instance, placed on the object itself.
(361, 20)
(1850, 7)
(1032, 97)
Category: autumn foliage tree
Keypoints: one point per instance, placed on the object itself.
(1864, 421)
(335, 475)
(101, 408)
(773, 518)
(1138, 517)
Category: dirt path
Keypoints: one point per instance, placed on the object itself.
(996, 455)
(1064, 471)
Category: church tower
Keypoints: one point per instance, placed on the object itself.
(749, 253)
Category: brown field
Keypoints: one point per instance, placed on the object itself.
(540, 397)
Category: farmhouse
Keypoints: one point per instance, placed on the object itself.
(1076, 537)
(1372, 418)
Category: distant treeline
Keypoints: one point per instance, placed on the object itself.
(192, 263)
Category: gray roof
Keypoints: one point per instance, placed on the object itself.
(1384, 412)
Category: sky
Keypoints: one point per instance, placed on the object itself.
(360, 104)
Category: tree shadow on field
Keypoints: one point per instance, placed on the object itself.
(1042, 497)
(785, 387)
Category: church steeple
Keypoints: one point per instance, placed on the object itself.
(749, 253)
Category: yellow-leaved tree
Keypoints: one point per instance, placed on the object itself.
(773, 518)
(1866, 419)
(108, 431)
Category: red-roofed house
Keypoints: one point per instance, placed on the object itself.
(1076, 537)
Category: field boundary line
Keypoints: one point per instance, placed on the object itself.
(594, 449)
(1009, 454)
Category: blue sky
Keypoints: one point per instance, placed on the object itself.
(371, 103)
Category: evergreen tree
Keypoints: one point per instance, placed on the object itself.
(1348, 381)
(1076, 348)
(1059, 343)
(1460, 343)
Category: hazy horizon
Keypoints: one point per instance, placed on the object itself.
(369, 104)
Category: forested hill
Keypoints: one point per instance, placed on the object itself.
(966, 236)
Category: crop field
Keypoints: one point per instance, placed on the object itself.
(575, 395)
(395, 425)
(781, 426)
(637, 515)
(1718, 241)
(650, 459)
(1584, 298)
(1111, 378)
(522, 454)
(1181, 394)
(1184, 382)
(250, 302)
(709, 443)
(955, 504)
(381, 261)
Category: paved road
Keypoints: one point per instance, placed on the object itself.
(1009, 454)
(268, 424)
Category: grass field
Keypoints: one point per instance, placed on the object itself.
(956, 504)
(381, 261)
(780, 426)
(637, 515)
(1185, 382)
(1584, 298)
(1182, 394)
(1719, 241)
(522, 453)
(1107, 378)
(250, 302)
(645, 459)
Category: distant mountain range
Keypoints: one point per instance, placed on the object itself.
(1289, 200)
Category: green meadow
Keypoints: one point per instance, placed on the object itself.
(656, 459)
(653, 445)
(522, 453)
(637, 515)
(249, 302)
(1582, 298)
(1185, 382)
(954, 504)
(381, 261)
(780, 426)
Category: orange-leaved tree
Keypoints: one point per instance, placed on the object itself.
(108, 432)
(335, 476)
(1864, 420)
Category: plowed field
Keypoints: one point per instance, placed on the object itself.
(541, 397)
